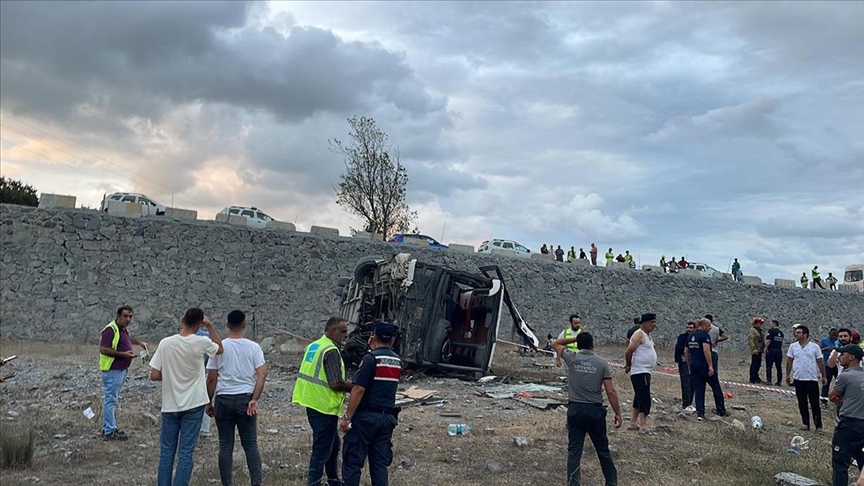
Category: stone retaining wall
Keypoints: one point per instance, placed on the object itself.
(64, 272)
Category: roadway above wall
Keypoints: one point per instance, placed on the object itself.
(64, 272)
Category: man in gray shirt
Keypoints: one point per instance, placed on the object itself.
(848, 393)
(587, 376)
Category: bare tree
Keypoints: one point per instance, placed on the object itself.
(374, 183)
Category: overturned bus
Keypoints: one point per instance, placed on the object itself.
(448, 320)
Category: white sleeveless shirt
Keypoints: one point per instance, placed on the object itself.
(644, 357)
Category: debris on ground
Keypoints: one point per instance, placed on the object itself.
(792, 479)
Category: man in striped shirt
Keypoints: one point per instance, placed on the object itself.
(372, 414)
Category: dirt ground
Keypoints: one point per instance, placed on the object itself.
(56, 382)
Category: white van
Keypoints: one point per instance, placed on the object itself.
(149, 206)
(854, 275)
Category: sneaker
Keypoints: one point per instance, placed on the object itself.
(700, 417)
(690, 409)
(115, 435)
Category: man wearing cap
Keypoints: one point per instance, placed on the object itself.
(641, 358)
(756, 342)
(372, 415)
(571, 331)
(321, 388)
(848, 393)
(588, 375)
(804, 366)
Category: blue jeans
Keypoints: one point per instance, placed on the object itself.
(179, 436)
(325, 448)
(112, 382)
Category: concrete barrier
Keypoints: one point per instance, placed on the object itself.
(231, 219)
(620, 266)
(368, 236)
(56, 201)
(751, 279)
(127, 209)
(461, 248)
(510, 254)
(690, 272)
(782, 282)
(723, 275)
(281, 225)
(652, 268)
(323, 230)
(181, 213)
(581, 261)
(541, 256)
(847, 288)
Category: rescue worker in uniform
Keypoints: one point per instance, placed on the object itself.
(372, 415)
(817, 280)
(573, 330)
(321, 388)
(609, 257)
(804, 280)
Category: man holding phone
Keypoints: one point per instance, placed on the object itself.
(115, 356)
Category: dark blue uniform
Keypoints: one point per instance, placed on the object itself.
(683, 371)
(374, 420)
(699, 374)
(774, 355)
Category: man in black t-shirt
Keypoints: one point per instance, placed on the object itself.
(698, 356)
(683, 368)
(372, 415)
(774, 352)
(636, 325)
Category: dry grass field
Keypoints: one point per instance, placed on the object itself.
(55, 382)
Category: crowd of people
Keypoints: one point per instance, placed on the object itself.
(696, 352)
(229, 386)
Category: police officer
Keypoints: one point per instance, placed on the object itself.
(774, 352)
(321, 388)
(848, 440)
(698, 356)
(372, 415)
(570, 331)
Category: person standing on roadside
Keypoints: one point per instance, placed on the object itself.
(372, 414)
(804, 366)
(559, 254)
(718, 335)
(817, 280)
(641, 358)
(848, 393)
(178, 365)
(588, 375)
(610, 257)
(115, 356)
(698, 356)
(320, 388)
(570, 331)
(774, 352)
(804, 280)
(593, 253)
(736, 271)
(236, 380)
(756, 342)
(684, 368)
(832, 281)
(826, 345)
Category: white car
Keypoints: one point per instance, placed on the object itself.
(255, 218)
(150, 207)
(506, 245)
(703, 268)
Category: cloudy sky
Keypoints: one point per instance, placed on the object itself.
(711, 130)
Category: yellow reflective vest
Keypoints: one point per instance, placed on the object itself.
(311, 389)
(609, 257)
(568, 333)
(106, 361)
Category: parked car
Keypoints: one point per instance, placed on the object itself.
(150, 206)
(508, 245)
(255, 218)
(447, 320)
(703, 268)
(417, 239)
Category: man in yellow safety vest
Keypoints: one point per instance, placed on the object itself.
(609, 257)
(115, 356)
(321, 388)
(803, 280)
(571, 331)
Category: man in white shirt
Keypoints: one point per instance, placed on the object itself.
(804, 366)
(236, 379)
(178, 365)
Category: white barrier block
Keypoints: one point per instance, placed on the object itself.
(363, 235)
(282, 225)
(620, 266)
(751, 279)
(848, 288)
(652, 268)
(690, 272)
(461, 248)
(323, 230)
(538, 256)
(120, 208)
(722, 275)
(783, 282)
(181, 213)
(56, 201)
(231, 219)
(581, 261)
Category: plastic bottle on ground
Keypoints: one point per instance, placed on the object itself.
(458, 429)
